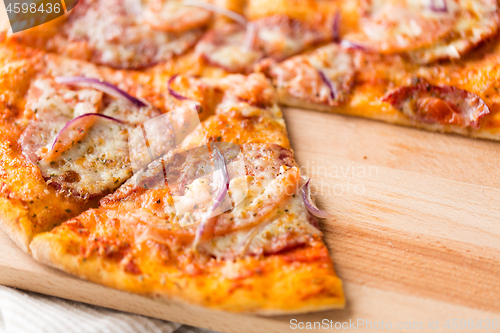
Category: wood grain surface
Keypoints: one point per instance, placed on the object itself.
(415, 234)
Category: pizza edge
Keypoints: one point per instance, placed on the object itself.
(14, 221)
(48, 248)
(389, 116)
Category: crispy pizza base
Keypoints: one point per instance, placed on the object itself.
(19, 223)
(299, 281)
(376, 110)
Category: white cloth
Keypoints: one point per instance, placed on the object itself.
(27, 312)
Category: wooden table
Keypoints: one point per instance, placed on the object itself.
(415, 234)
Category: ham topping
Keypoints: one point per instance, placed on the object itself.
(236, 48)
(445, 105)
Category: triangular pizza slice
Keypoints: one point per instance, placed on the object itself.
(225, 220)
(444, 97)
(64, 134)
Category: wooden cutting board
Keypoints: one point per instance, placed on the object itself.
(415, 234)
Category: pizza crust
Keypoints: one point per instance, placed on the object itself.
(388, 115)
(13, 221)
(273, 299)
(265, 259)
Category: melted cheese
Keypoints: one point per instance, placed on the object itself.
(300, 76)
(238, 189)
(414, 27)
(99, 161)
(201, 193)
(197, 195)
(262, 213)
(281, 36)
(285, 224)
(276, 41)
(116, 36)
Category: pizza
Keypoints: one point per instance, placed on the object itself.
(459, 97)
(129, 172)
(143, 145)
(424, 64)
(65, 137)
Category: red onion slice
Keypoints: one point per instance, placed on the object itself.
(60, 136)
(173, 92)
(222, 188)
(350, 45)
(439, 6)
(328, 82)
(106, 87)
(178, 96)
(336, 27)
(250, 35)
(217, 9)
(311, 207)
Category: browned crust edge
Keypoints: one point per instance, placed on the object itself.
(391, 117)
(11, 222)
(46, 249)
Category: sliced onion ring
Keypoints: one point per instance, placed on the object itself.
(329, 83)
(222, 188)
(250, 35)
(106, 87)
(464, 108)
(178, 96)
(173, 92)
(311, 207)
(336, 27)
(350, 45)
(439, 6)
(217, 9)
(70, 124)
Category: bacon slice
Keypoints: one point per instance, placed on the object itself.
(73, 132)
(324, 76)
(396, 26)
(280, 36)
(445, 105)
(423, 31)
(236, 48)
(53, 106)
